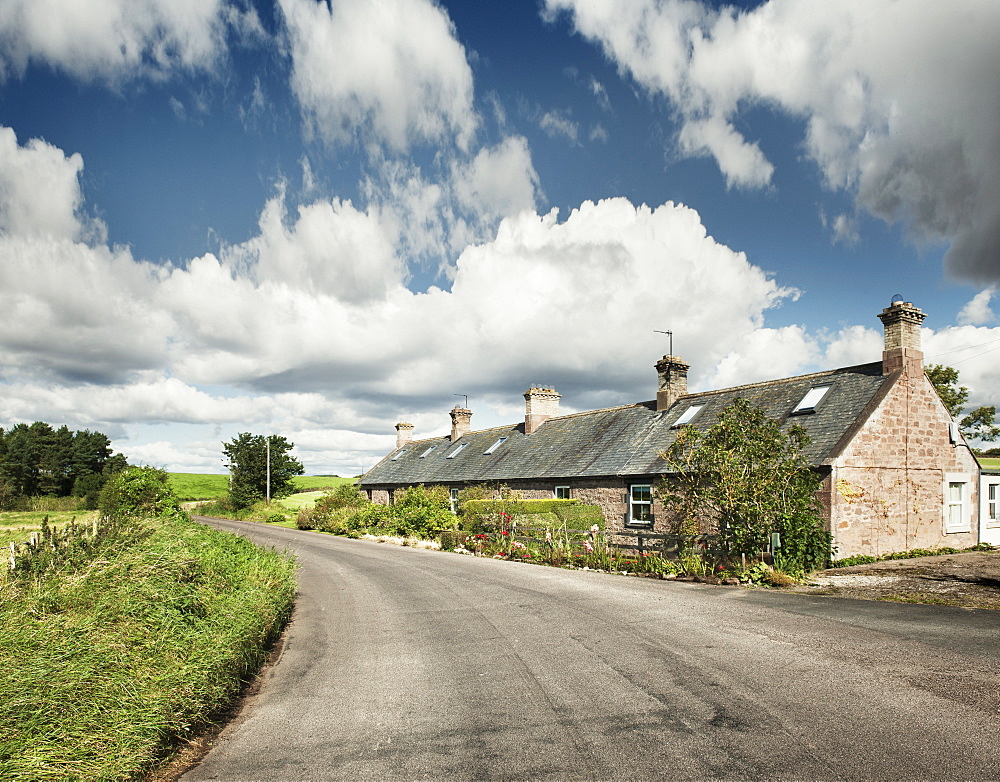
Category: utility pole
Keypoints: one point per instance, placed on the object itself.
(268, 441)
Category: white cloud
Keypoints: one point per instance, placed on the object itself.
(115, 40)
(499, 181)
(977, 312)
(557, 123)
(899, 101)
(392, 68)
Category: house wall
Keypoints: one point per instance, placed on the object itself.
(989, 511)
(888, 486)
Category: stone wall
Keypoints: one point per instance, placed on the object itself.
(887, 489)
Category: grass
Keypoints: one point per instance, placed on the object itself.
(17, 526)
(301, 500)
(989, 461)
(105, 668)
(197, 486)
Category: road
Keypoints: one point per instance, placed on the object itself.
(410, 664)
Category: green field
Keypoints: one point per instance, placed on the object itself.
(17, 526)
(989, 461)
(197, 486)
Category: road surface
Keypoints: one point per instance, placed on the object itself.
(410, 664)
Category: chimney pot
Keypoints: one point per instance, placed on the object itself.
(673, 381)
(540, 404)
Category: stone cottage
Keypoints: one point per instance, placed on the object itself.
(897, 473)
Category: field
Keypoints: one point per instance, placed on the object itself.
(197, 486)
(17, 526)
(990, 461)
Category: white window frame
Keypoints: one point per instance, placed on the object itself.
(495, 445)
(991, 501)
(634, 505)
(957, 512)
(817, 394)
(398, 455)
(425, 453)
(556, 490)
(457, 451)
(453, 499)
(689, 415)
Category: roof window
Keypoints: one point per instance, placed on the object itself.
(398, 455)
(495, 445)
(811, 400)
(427, 451)
(689, 414)
(457, 451)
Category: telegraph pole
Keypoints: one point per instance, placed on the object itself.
(268, 441)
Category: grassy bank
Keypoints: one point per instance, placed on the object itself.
(196, 486)
(108, 665)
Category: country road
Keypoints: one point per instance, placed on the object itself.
(409, 664)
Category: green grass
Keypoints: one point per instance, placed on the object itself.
(989, 461)
(105, 668)
(304, 499)
(196, 486)
(17, 526)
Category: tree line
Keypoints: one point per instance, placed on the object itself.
(37, 460)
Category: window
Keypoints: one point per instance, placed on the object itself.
(561, 492)
(640, 504)
(813, 397)
(956, 504)
(398, 455)
(457, 451)
(453, 500)
(427, 451)
(992, 504)
(688, 414)
(495, 445)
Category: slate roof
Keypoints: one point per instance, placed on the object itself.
(626, 440)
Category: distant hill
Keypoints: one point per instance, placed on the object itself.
(197, 486)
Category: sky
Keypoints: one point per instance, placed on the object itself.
(317, 219)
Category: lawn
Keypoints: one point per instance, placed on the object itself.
(198, 486)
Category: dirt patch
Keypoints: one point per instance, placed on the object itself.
(970, 580)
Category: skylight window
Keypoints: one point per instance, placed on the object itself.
(688, 414)
(495, 445)
(427, 451)
(398, 455)
(812, 398)
(457, 451)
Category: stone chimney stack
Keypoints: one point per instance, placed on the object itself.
(540, 404)
(902, 338)
(673, 381)
(460, 418)
(404, 433)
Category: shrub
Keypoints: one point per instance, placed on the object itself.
(137, 492)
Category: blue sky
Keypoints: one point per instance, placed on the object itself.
(319, 219)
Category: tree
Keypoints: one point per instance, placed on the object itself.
(749, 479)
(248, 460)
(978, 424)
(138, 492)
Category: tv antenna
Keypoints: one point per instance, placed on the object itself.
(671, 335)
(466, 397)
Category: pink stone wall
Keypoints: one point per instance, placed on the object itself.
(887, 489)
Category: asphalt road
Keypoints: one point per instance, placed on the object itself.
(410, 664)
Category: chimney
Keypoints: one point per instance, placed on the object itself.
(540, 404)
(460, 417)
(404, 433)
(902, 338)
(673, 381)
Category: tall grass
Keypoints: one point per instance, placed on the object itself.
(107, 666)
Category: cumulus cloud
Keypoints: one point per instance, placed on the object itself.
(116, 40)
(899, 103)
(977, 312)
(392, 68)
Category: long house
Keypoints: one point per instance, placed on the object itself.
(897, 473)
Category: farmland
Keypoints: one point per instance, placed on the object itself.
(198, 486)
